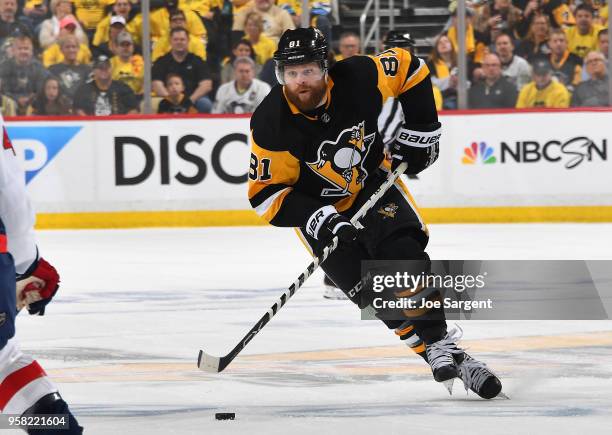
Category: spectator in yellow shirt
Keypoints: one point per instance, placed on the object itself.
(133, 22)
(161, 17)
(264, 47)
(162, 45)
(109, 48)
(126, 66)
(53, 54)
(543, 91)
(582, 37)
(90, 13)
(276, 19)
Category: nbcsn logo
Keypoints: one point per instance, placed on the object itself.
(478, 153)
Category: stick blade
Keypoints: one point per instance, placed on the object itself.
(208, 363)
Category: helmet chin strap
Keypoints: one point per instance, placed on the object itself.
(324, 99)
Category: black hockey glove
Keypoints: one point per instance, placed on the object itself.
(326, 222)
(418, 145)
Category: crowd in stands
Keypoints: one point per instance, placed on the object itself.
(84, 57)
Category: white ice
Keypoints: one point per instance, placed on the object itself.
(135, 306)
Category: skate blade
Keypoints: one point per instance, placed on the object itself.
(502, 395)
(449, 385)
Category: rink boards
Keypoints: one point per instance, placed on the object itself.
(192, 171)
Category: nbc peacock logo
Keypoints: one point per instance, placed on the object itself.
(476, 153)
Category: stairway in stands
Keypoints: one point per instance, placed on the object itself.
(423, 19)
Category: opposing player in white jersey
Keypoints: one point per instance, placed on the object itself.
(26, 281)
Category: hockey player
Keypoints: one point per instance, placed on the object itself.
(25, 388)
(317, 156)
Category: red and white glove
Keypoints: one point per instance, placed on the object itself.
(37, 288)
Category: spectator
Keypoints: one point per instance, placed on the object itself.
(536, 42)
(36, 11)
(70, 72)
(53, 54)
(244, 93)
(501, 14)
(567, 67)
(529, 8)
(50, 100)
(264, 47)
(442, 64)
(349, 45)
(104, 96)
(241, 48)
(22, 76)
(161, 17)
(603, 15)
(495, 91)
(451, 32)
(320, 11)
(8, 106)
(9, 21)
(276, 20)
(543, 91)
(582, 37)
(559, 12)
(193, 70)
(602, 39)
(133, 22)
(90, 13)
(176, 101)
(593, 92)
(128, 67)
(515, 68)
(110, 48)
(162, 45)
(50, 28)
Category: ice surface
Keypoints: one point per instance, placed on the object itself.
(135, 306)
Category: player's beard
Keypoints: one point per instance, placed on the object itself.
(307, 101)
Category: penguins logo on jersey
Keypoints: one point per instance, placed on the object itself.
(340, 162)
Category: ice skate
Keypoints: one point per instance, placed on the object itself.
(331, 291)
(440, 357)
(476, 376)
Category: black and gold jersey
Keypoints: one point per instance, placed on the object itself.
(303, 161)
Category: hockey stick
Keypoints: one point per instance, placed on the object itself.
(215, 364)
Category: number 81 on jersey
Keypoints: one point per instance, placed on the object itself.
(259, 169)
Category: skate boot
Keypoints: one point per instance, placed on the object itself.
(440, 358)
(477, 377)
(331, 291)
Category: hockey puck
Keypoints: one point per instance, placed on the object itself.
(225, 416)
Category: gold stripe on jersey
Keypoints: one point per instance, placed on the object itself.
(345, 203)
(270, 206)
(397, 73)
(280, 169)
(304, 242)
